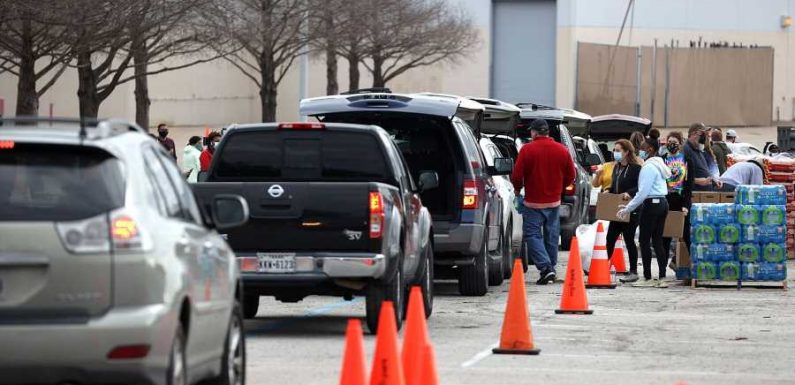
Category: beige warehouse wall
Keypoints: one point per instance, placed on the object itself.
(784, 58)
(216, 93)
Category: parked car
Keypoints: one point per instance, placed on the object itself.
(576, 196)
(588, 148)
(111, 272)
(334, 212)
(466, 208)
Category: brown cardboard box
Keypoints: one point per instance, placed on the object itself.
(607, 207)
(674, 224)
(706, 197)
(682, 254)
(727, 197)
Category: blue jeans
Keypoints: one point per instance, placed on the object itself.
(542, 232)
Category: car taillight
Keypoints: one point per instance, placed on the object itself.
(376, 215)
(302, 126)
(125, 233)
(470, 194)
(85, 236)
(7, 144)
(569, 189)
(128, 352)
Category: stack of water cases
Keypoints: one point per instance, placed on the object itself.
(745, 240)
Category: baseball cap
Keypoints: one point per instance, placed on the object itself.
(731, 134)
(540, 126)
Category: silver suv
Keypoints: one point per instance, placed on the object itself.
(108, 271)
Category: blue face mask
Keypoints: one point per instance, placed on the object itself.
(617, 155)
(643, 154)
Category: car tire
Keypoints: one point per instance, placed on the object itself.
(393, 290)
(177, 373)
(508, 255)
(426, 281)
(250, 306)
(497, 266)
(233, 361)
(565, 240)
(473, 280)
(524, 253)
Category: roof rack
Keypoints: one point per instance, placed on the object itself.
(99, 128)
(373, 90)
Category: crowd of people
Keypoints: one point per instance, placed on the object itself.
(196, 157)
(653, 179)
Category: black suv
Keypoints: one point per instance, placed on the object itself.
(432, 136)
(576, 197)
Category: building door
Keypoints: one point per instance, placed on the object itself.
(523, 51)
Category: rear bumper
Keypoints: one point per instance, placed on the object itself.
(466, 239)
(53, 353)
(314, 269)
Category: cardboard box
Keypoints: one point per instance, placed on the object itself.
(727, 197)
(607, 207)
(707, 197)
(682, 254)
(674, 224)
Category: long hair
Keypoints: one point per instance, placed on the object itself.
(636, 139)
(630, 149)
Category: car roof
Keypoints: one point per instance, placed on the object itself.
(437, 104)
(628, 118)
(67, 131)
(463, 103)
(274, 126)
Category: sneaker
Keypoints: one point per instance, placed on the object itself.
(646, 283)
(546, 278)
(661, 283)
(632, 277)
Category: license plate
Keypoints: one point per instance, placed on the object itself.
(276, 262)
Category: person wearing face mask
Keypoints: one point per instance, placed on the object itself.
(190, 159)
(720, 150)
(675, 160)
(625, 181)
(165, 141)
(652, 189)
(699, 176)
(637, 140)
(207, 155)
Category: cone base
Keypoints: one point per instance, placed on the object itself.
(562, 311)
(525, 352)
(609, 286)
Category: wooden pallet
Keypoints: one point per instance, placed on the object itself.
(694, 283)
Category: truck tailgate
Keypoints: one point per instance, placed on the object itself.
(298, 216)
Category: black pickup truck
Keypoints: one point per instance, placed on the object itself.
(333, 211)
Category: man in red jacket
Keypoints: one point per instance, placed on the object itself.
(544, 168)
(206, 156)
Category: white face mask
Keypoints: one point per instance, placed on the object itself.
(701, 147)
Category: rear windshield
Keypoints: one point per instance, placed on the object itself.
(58, 183)
(301, 156)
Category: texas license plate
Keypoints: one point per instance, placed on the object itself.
(276, 262)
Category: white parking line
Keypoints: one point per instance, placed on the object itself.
(478, 357)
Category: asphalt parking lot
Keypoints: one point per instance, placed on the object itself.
(635, 336)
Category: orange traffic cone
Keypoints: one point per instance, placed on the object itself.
(415, 338)
(354, 365)
(617, 259)
(574, 299)
(599, 273)
(429, 375)
(387, 368)
(516, 337)
(206, 131)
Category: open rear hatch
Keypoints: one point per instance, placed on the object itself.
(610, 128)
(55, 231)
(500, 118)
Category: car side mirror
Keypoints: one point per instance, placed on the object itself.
(593, 160)
(502, 166)
(229, 211)
(429, 180)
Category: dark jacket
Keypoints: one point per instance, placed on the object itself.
(625, 179)
(721, 151)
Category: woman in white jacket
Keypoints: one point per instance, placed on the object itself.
(190, 159)
(652, 189)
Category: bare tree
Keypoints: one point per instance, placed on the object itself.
(406, 34)
(32, 49)
(326, 21)
(353, 42)
(271, 35)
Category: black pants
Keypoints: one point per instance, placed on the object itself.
(675, 203)
(627, 229)
(652, 222)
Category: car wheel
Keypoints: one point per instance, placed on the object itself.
(474, 279)
(507, 253)
(426, 282)
(177, 366)
(233, 362)
(565, 240)
(389, 290)
(497, 263)
(524, 253)
(250, 306)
